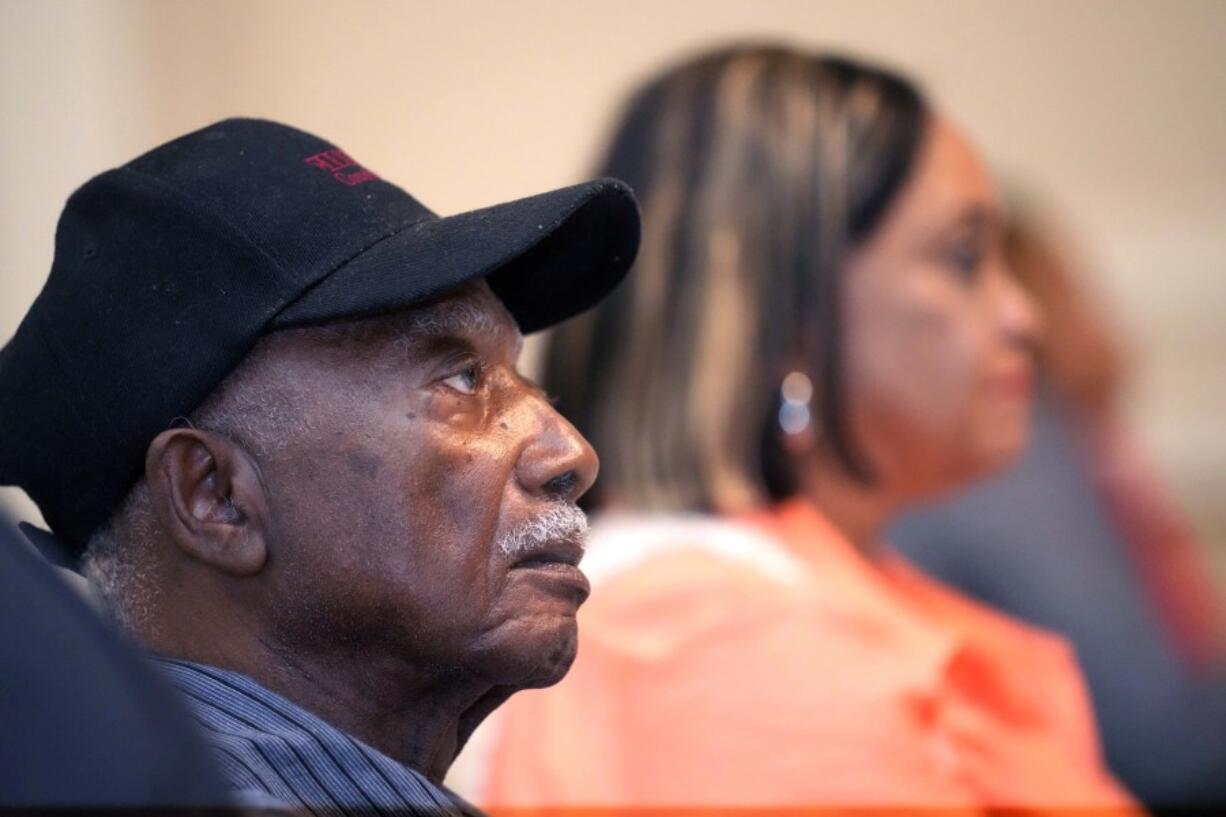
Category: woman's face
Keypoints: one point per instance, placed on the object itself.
(939, 334)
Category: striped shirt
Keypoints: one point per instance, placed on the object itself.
(277, 755)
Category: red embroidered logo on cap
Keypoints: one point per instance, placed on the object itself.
(344, 169)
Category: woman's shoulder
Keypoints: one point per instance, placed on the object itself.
(977, 619)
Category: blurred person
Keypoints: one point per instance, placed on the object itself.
(821, 331)
(270, 401)
(1081, 537)
(87, 722)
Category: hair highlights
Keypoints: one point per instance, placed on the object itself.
(758, 168)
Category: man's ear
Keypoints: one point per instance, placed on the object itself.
(208, 496)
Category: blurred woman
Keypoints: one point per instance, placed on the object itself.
(1081, 536)
(821, 330)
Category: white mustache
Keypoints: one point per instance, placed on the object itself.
(559, 523)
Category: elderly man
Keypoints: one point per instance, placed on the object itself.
(271, 402)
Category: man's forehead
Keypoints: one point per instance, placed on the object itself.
(471, 313)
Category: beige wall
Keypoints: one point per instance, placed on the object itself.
(1112, 111)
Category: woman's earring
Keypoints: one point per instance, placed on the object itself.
(795, 395)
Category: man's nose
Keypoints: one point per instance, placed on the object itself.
(558, 463)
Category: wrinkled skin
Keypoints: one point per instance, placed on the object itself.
(426, 453)
(350, 560)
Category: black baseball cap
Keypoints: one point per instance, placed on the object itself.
(168, 270)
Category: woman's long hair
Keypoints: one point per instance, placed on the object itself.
(757, 169)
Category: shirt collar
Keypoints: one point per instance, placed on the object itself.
(270, 746)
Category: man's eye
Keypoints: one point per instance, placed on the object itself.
(465, 381)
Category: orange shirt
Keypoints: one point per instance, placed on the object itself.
(768, 663)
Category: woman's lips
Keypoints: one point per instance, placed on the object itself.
(1016, 383)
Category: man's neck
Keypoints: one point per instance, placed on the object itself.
(419, 718)
(412, 717)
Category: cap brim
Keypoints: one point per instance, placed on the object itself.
(548, 257)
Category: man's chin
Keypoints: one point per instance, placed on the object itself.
(542, 658)
(547, 676)
(555, 661)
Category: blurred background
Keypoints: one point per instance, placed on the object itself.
(1108, 115)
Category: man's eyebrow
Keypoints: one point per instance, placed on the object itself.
(450, 318)
(456, 319)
